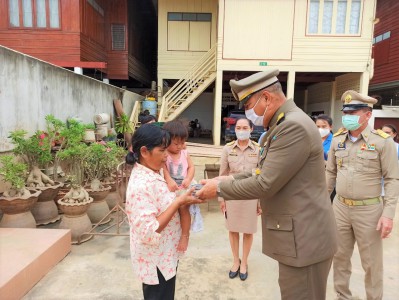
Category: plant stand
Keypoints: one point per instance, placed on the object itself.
(45, 211)
(17, 212)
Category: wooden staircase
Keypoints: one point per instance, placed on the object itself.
(187, 89)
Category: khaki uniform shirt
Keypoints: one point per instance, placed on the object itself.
(355, 169)
(234, 160)
(298, 224)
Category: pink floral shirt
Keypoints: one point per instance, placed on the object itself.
(147, 196)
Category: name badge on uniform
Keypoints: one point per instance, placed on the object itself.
(232, 154)
(341, 146)
(252, 155)
(371, 147)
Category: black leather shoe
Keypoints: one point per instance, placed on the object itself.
(233, 274)
(244, 276)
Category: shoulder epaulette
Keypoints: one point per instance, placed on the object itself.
(255, 143)
(340, 131)
(381, 133)
(280, 118)
(231, 143)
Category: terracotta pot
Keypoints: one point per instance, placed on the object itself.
(99, 208)
(112, 198)
(100, 194)
(17, 211)
(76, 219)
(45, 211)
(74, 209)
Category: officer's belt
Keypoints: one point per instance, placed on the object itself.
(351, 202)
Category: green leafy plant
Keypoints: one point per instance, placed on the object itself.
(123, 124)
(14, 173)
(100, 162)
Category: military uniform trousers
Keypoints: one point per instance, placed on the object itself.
(304, 283)
(358, 224)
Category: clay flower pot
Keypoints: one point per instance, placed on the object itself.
(17, 211)
(99, 208)
(76, 219)
(45, 210)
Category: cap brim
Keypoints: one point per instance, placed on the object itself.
(354, 107)
(243, 101)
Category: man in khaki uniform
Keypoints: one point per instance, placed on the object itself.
(298, 225)
(359, 157)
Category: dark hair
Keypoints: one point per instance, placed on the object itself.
(176, 129)
(248, 120)
(150, 136)
(147, 118)
(324, 118)
(394, 130)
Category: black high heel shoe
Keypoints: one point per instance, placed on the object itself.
(233, 274)
(244, 276)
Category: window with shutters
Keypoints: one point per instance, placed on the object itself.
(118, 37)
(38, 14)
(335, 17)
(189, 31)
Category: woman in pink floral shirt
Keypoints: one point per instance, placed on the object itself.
(154, 220)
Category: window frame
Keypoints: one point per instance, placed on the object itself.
(334, 19)
(180, 17)
(34, 26)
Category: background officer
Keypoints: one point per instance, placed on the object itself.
(359, 157)
(298, 225)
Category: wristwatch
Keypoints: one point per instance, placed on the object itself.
(218, 190)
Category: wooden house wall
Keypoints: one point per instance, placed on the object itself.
(92, 38)
(386, 52)
(46, 44)
(117, 59)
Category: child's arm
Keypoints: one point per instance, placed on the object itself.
(172, 185)
(190, 173)
(185, 221)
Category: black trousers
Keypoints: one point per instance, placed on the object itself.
(165, 290)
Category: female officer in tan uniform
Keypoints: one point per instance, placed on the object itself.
(239, 156)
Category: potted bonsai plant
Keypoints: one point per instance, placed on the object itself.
(37, 153)
(75, 203)
(17, 201)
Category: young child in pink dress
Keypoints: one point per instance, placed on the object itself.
(179, 174)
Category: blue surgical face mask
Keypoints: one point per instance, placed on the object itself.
(251, 115)
(351, 122)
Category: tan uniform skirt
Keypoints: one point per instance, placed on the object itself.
(241, 216)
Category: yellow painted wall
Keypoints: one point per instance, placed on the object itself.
(174, 64)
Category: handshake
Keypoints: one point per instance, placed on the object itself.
(197, 187)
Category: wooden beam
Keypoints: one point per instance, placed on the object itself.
(81, 64)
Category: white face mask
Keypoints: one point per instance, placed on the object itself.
(251, 115)
(243, 134)
(324, 132)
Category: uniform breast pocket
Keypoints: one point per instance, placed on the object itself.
(252, 160)
(341, 159)
(367, 161)
(281, 233)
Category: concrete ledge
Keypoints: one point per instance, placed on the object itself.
(26, 255)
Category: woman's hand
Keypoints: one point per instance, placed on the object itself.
(188, 198)
(259, 209)
(222, 205)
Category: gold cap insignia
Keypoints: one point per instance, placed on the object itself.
(348, 99)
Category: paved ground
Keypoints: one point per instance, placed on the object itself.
(100, 269)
